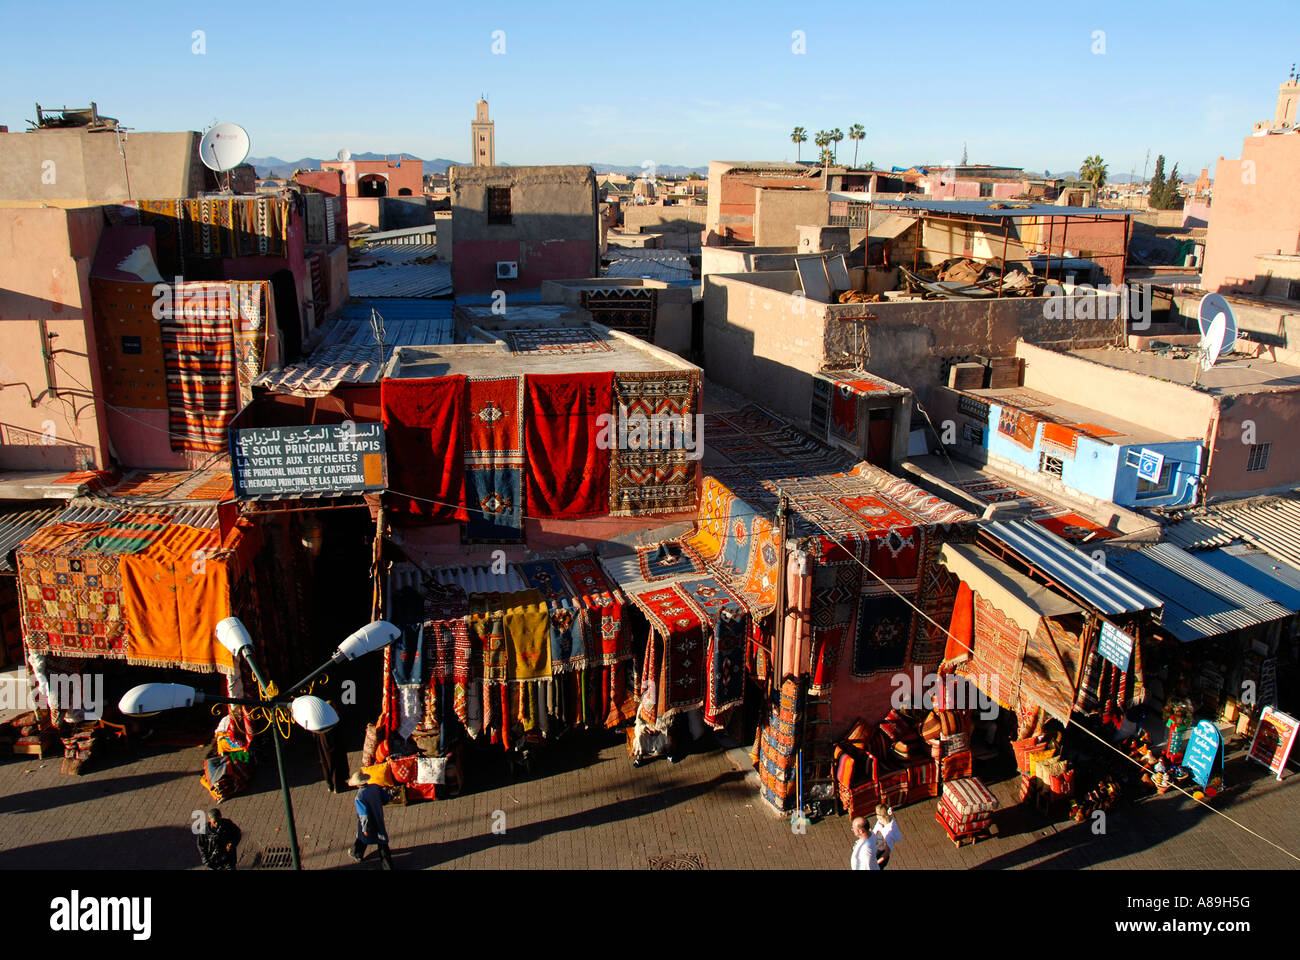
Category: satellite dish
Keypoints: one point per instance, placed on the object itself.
(224, 147)
(345, 155)
(1213, 307)
(1212, 341)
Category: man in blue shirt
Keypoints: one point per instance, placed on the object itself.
(369, 805)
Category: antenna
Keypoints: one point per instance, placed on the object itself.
(224, 147)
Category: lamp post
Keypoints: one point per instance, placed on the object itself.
(309, 712)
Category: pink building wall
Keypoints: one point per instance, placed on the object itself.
(409, 175)
(474, 268)
(1256, 209)
(45, 262)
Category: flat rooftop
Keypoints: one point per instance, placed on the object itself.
(586, 348)
(1048, 407)
(1234, 375)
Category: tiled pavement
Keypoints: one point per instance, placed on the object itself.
(585, 806)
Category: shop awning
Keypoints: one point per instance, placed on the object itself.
(1014, 594)
(1041, 665)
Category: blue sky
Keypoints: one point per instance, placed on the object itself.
(670, 82)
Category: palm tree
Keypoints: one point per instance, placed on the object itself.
(799, 136)
(823, 139)
(857, 133)
(1094, 171)
(836, 136)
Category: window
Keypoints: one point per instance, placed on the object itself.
(1051, 465)
(498, 203)
(986, 188)
(1258, 459)
(972, 434)
(1147, 488)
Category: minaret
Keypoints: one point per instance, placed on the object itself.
(1287, 94)
(483, 138)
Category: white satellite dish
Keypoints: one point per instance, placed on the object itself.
(1212, 341)
(1213, 307)
(345, 155)
(224, 147)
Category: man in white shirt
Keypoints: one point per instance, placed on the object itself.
(866, 849)
(886, 832)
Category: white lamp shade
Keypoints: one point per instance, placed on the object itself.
(150, 698)
(313, 714)
(373, 636)
(233, 635)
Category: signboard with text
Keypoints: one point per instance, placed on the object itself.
(1150, 464)
(1115, 646)
(1274, 738)
(286, 461)
(1204, 754)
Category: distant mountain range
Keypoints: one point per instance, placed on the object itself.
(280, 169)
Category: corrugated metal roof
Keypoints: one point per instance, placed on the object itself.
(1272, 525)
(481, 579)
(346, 351)
(986, 209)
(666, 266)
(204, 517)
(1274, 578)
(17, 525)
(1101, 587)
(1197, 534)
(1200, 601)
(402, 280)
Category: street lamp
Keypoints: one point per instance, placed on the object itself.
(309, 712)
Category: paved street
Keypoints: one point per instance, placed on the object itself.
(585, 806)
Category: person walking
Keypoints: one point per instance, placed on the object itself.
(865, 850)
(369, 804)
(219, 842)
(887, 833)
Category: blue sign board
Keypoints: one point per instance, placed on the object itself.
(1204, 752)
(1150, 464)
(1115, 645)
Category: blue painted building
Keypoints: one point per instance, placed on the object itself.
(1083, 449)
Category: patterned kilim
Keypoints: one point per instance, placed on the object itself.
(95, 480)
(727, 618)
(149, 484)
(446, 634)
(630, 309)
(527, 627)
(937, 594)
(555, 340)
(129, 533)
(885, 626)
(1020, 426)
(650, 469)
(220, 486)
(494, 459)
(681, 628)
(568, 624)
(1020, 400)
(127, 335)
(488, 634)
(603, 603)
(777, 747)
(669, 559)
(998, 656)
(217, 227)
(71, 601)
(202, 378)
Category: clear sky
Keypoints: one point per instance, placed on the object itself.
(670, 82)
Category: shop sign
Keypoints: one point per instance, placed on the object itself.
(1204, 753)
(1115, 646)
(1274, 738)
(287, 461)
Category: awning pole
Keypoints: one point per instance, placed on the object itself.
(778, 641)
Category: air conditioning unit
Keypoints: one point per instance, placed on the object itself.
(507, 270)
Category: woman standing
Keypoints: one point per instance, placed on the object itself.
(887, 833)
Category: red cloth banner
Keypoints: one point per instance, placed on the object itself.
(423, 422)
(568, 473)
